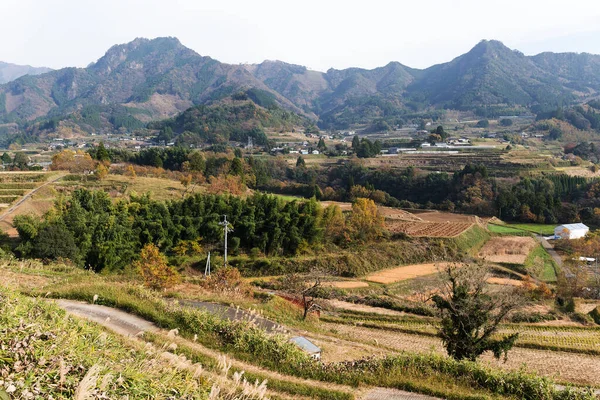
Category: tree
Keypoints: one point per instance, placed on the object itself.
(355, 143)
(297, 286)
(441, 132)
(55, 241)
(300, 162)
(484, 123)
(321, 145)
(155, 271)
(6, 158)
(21, 160)
(470, 313)
(102, 153)
(506, 122)
(365, 221)
(237, 168)
(101, 171)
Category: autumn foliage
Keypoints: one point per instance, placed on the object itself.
(154, 269)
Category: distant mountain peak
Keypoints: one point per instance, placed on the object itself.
(10, 72)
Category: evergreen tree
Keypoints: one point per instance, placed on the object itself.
(355, 143)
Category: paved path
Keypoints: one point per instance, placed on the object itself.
(231, 313)
(550, 249)
(28, 195)
(113, 319)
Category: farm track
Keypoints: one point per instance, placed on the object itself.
(27, 196)
(131, 325)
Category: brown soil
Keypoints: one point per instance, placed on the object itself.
(405, 272)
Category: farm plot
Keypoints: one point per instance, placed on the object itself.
(508, 249)
(406, 272)
(575, 368)
(427, 229)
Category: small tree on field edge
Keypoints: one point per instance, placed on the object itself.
(155, 270)
(470, 314)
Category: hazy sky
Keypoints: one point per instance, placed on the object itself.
(316, 33)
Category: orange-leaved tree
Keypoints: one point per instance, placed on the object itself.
(154, 268)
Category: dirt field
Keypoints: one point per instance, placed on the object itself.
(513, 250)
(406, 272)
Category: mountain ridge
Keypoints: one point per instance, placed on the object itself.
(159, 78)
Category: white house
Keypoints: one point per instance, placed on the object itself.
(571, 231)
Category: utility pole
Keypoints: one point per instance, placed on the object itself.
(226, 229)
(207, 268)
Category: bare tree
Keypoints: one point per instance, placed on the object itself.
(470, 313)
(304, 290)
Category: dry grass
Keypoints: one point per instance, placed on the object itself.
(405, 272)
(569, 367)
(504, 281)
(513, 250)
(344, 305)
(346, 284)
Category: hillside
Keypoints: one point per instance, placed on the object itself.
(10, 72)
(148, 80)
(158, 77)
(490, 74)
(246, 114)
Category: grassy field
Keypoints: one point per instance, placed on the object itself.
(538, 256)
(545, 229)
(506, 230)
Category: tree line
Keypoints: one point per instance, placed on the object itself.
(93, 231)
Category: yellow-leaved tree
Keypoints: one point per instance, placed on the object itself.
(365, 222)
(155, 270)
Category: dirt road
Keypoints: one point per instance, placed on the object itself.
(27, 196)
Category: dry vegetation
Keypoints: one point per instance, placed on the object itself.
(512, 250)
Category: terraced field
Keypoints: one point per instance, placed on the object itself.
(428, 229)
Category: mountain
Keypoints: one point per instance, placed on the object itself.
(10, 72)
(153, 79)
(490, 74)
(148, 80)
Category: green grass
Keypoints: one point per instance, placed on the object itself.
(471, 241)
(545, 229)
(506, 230)
(549, 271)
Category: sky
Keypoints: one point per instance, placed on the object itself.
(319, 34)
